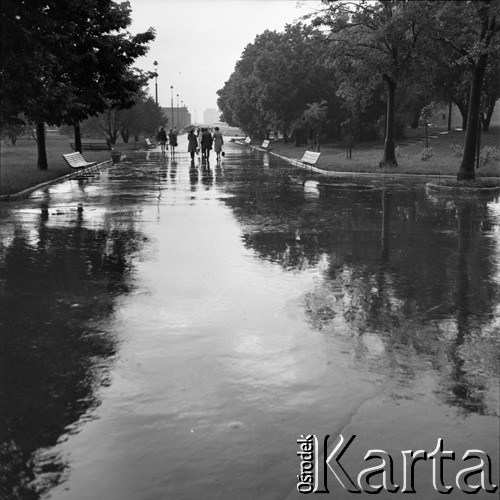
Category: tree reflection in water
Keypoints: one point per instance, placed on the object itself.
(410, 282)
(59, 283)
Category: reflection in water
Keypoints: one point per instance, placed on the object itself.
(386, 223)
(473, 352)
(277, 308)
(59, 282)
(426, 286)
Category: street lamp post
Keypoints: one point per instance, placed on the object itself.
(172, 103)
(156, 82)
(178, 122)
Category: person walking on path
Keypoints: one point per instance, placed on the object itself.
(172, 137)
(206, 144)
(192, 144)
(198, 135)
(218, 142)
(162, 139)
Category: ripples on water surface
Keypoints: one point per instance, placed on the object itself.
(168, 332)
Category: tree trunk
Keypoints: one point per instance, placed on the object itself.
(389, 159)
(449, 115)
(489, 114)
(125, 134)
(466, 171)
(78, 137)
(464, 121)
(462, 107)
(40, 141)
(478, 144)
(296, 137)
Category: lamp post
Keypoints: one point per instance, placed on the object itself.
(178, 122)
(155, 64)
(172, 103)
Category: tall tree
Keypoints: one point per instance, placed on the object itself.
(378, 41)
(73, 58)
(471, 30)
(276, 77)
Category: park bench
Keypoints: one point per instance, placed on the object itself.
(92, 146)
(310, 158)
(264, 146)
(76, 160)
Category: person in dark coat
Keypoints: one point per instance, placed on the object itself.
(172, 137)
(192, 143)
(162, 139)
(206, 143)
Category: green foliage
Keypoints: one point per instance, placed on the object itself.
(14, 128)
(74, 58)
(425, 154)
(143, 117)
(275, 79)
(457, 150)
(316, 114)
(488, 155)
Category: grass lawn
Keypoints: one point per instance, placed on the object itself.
(366, 156)
(18, 164)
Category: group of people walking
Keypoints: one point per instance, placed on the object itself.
(165, 140)
(201, 141)
(204, 141)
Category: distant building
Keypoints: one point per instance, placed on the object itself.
(181, 117)
(210, 116)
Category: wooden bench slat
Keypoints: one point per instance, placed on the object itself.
(76, 160)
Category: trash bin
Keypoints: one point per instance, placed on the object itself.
(116, 156)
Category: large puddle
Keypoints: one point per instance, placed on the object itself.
(169, 332)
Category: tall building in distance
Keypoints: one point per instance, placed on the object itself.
(210, 116)
(180, 115)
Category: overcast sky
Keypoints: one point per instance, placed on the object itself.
(198, 42)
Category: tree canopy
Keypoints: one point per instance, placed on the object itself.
(354, 55)
(65, 60)
(275, 79)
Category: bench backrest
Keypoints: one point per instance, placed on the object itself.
(75, 159)
(248, 140)
(265, 144)
(310, 157)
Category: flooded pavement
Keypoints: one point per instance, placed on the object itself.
(170, 332)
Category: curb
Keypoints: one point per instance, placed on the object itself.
(25, 192)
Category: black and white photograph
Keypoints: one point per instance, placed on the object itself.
(249, 249)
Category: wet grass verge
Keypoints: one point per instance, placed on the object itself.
(18, 163)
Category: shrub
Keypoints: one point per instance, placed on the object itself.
(400, 154)
(488, 154)
(426, 154)
(457, 149)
